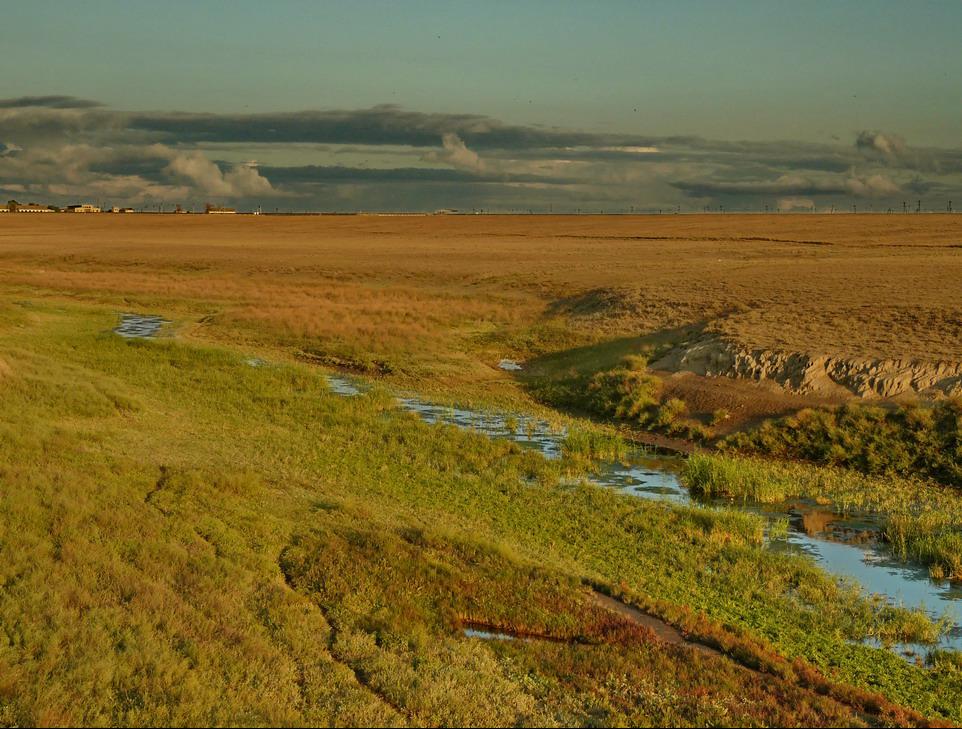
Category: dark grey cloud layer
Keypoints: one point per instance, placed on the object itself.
(50, 102)
(381, 125)
(308, 174)
(62, 148)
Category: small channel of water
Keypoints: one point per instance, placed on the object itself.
(486, 634)
(845, 545)
(139, 326)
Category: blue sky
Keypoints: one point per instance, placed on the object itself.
(813, 73)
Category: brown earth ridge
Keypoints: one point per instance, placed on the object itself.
(822, 375)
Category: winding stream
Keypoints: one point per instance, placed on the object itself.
(845, 545)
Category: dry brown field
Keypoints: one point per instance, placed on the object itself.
(448, 295)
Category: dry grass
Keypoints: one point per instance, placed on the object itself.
(883, 285)
(151, 489)
(438, 301)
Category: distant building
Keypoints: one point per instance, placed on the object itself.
(115, 209)
(14, 207)
(217, 210)
(84, 208)
(446, 211)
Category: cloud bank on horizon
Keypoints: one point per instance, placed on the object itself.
(63, 149)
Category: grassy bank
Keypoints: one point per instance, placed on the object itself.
(922, 521)
(626, 392)
(906, 441)
(188, 538)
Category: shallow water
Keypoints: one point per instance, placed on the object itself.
(486, 634)
(845, 545)
(139, 326)
(526, 431)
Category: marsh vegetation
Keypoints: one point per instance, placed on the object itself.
(188, 537)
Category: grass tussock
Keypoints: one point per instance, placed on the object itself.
(904, 441)
(627, 392)
(922, 521)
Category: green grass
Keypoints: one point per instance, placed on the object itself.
(914, 440)
(625, 392)
(922, 521)
(188, 539)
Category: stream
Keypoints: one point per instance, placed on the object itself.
(846, 545)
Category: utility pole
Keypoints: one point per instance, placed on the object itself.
(918, 207)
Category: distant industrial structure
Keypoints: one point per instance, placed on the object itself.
(82, 208)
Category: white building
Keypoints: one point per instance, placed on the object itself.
(85, 208)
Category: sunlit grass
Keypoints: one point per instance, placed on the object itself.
(922, 521)
(147, 514)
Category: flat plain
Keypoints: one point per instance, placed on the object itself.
(884, 286)
(194, 528)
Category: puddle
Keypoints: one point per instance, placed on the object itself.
(343, 386)
(528, 432)
(486, 634)
(846, 545)
(139, 326)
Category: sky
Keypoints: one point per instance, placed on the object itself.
(562, 106)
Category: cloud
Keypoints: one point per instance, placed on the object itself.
(890, 146)
(786, 185)
(795, 204)
(207, 177)
(795, 186)
(456, 154)
(387, 155)
(318, 174)
(50, 102)
(877, 185)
